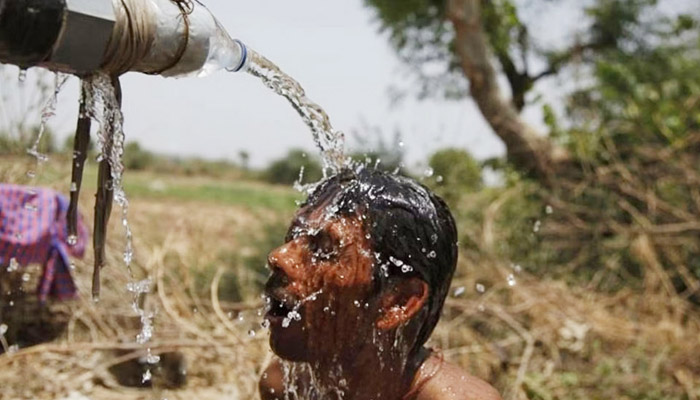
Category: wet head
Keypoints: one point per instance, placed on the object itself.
(359, 284)
(320, 284)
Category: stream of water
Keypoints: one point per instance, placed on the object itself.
(330, 142)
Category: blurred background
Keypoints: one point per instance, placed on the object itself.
(564, 135)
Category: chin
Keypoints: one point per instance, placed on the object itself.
(289, 343)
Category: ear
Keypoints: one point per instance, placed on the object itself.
(401, 301)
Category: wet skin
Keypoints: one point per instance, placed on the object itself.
(324, 273)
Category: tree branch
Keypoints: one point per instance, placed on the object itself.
(532, 154)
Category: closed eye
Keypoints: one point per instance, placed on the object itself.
(323, 245)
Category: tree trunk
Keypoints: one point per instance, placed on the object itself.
(535, 155)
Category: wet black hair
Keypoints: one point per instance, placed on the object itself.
(412, 232)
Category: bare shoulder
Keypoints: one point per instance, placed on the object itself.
(453, 383)
(271, 385)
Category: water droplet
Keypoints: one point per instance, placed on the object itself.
(26, 277)
(14, 265)
(434, 238)
(3, 329)
(139, 287)
(265, 324)
(511, 280)
(73, 187)
(128, 256)
(459, 291)
(517, 268)
(395, 261)
(146, 376)
(439, 179)
(429, 173)
(548, 210)
(356, 303)
(406, 268)
(152, 358)
(537, 226)
(432, 254)
(22, 77)
(251, 333)
(72, 240)
(71, 266)
(401, 144)
(11, 303)
(480, 288)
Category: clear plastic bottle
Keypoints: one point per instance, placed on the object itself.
(209, 47)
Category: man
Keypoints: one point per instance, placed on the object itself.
(356, 291)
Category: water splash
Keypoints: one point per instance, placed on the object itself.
(294, 315)
(330, 142)
(14, 265)
(104, 107)
(48, 111)
(22, 77)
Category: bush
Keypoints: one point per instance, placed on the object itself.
(286, 170)
(14, 145)
(454, 172)
(136, 158)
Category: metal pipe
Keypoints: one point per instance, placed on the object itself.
(28, 30)
(75, 36)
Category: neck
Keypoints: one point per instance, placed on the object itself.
(372, 373)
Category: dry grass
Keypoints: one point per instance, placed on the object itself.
(538, 339)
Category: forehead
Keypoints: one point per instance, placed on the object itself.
(324, 217)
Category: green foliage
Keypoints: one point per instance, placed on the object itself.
(286, 170)
(419, 32)
(68, 145)
(136, 158)
(454, 172)
(647, 97)
(19, 145)
(424, 39)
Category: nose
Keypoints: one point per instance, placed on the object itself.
(288, 258)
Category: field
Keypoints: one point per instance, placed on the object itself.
(203, 240)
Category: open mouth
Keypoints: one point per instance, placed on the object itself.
(278, 308)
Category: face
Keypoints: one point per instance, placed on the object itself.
(320, 291)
